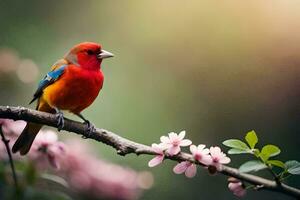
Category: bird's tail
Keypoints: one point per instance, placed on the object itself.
(26, 138)
(29, 133)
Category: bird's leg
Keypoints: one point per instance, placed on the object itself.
(60, 119)
(89, 127)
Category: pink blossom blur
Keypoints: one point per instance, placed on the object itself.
(98, 178)
(73, 161)
(11, 129)
(47, 150)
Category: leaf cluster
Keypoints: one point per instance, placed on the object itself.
(264, 156)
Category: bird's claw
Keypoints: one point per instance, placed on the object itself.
(88, 129)
(60, 120)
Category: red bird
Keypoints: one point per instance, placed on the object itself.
(72, 84)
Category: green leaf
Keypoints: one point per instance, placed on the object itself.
(293, 167)
(236, 144)
(252, 166)
(251, 139)
(256, 152)
(269, 151)
(238, 151)
(276, 163)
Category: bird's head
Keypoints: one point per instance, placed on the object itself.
(88, 55)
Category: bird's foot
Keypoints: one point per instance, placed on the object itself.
(60, 120)
(88, 129)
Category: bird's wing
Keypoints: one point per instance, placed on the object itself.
(57, 70)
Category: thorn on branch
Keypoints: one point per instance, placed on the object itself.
(258, 187)
(121, 152)
(21, 111)
(8, 108)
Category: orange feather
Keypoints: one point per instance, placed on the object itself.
(75, 90)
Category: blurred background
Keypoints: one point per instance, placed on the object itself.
(216, 69)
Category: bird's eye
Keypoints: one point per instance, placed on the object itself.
(90, 52)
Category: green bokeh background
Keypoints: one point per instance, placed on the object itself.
(216, 69)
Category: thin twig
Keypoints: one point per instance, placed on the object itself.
(276, 178)
(11, 162)
(125, 146)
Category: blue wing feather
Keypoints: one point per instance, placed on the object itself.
(50, 78)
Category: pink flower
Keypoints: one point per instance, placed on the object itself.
(158, 148)
(201, 154)
(186, 167)
(218, 157)
(12, 128)
(174, 142)
(47, 150)
(236, 187)
(96, 178)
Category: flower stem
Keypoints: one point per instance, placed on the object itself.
(6, 143)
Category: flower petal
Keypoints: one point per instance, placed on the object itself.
(193, 149)
(165, 146)
(164, 139)
(240, 193)
(225, 160)
(191, 171)
(181, 135)
(61, 146)
(201, 147)
(157, 148)
(174, 150)
(50, 136)
(237, 189)
(156, 161)
(185, 142)
(234, 186)
(173, 136)
(53, 161)
(180, 167)
(215, 151)
(206, 160)
(205, 151)
(54, 153)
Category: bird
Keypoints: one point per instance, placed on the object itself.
(72, 85)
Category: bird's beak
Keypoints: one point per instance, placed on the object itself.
(104, 54)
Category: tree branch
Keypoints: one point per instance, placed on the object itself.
(125, 146)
